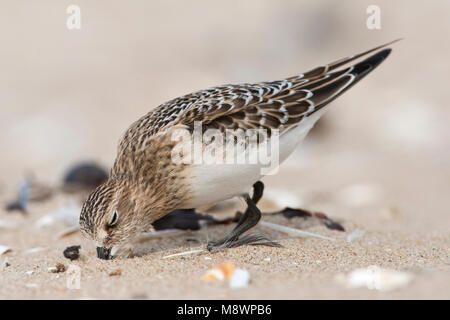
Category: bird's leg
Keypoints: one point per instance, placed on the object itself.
(248, 220)
(258, 190)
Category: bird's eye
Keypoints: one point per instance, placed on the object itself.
(113, 220)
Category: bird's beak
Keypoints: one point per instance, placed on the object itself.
(104, 253)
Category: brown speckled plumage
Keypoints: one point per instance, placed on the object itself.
(140, 181)
(145, 184)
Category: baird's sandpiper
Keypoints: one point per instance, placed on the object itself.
(145, 182)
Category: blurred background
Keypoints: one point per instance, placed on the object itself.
(68, 95)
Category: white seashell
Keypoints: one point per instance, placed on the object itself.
(355, 235)
(36, 249)
(278, 199)
(239, 279)
(375, 278)
(359, 195)
(67, 214)
(67, 232)
(45, 221)
(214, 274)
(4, 249)
(7, 224)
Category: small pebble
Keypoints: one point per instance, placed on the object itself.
(117, 272)
(72, 253)
(58, 268)
(5, 263)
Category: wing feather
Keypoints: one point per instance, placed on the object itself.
(277, 104)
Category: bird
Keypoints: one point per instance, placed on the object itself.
(146, 183)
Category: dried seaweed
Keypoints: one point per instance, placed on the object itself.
(29, 190)
(24, 196)
(290, 213)
(84, 176)
(189, 219)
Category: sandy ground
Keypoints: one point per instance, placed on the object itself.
(378, 161)
(303, 269)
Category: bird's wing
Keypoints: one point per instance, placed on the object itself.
(280, 104)
(270, 105)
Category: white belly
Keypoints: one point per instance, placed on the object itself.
(212, 183)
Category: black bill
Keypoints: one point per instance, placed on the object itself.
(104, 253)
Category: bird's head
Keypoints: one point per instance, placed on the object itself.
(109, 218)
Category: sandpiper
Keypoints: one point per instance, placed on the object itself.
(146, 183)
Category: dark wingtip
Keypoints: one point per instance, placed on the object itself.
(367, 65)
(336, 64)
(358, 71)
(383, 54)
(380, 56)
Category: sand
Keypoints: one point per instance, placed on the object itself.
(378, 162)
(306, 268)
